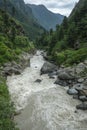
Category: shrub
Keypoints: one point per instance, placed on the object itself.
(69, 57)
(6, 108)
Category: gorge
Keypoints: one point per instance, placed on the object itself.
(44, 105)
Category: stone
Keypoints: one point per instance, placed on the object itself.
(80, 80)
(72, 91)
(52, 75)
(83, 98)
(85, 62)
(38, 80)
(10, 70)
(61, 82)
(65, 76)
(48, 67)
(80, 68)
(82, 106)
(8, 64)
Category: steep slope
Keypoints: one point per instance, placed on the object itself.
(12, 43)
(46, 18)
(68, 44)
(23, 13)
(12, 38)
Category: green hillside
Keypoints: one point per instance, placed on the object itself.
(12, 38)
(23, 13)
(13, 42)
(68, 44)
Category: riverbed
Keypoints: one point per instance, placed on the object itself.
(44, 105)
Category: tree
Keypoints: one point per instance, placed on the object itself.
(65, 24)
(61, 33)
(13, 11)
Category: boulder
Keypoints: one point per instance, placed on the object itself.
(8, 64)
(85, 62)
(83, 98)
(85, 84)
(53, 74)
(10, 70)
(82, 106)
(72, 91)
(65, 76)
(38, 80)
(80, 80)
(48, 67)
(61, 82)
(80, 68)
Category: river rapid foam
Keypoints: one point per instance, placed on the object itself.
(46, 106)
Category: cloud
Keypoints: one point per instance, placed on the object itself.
(58, 6)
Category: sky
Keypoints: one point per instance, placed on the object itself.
(63, 7)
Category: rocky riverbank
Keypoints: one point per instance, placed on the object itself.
(44, 104)
(16, 67)
(74, 77)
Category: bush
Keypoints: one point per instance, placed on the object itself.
(69, 57)
(6, 108)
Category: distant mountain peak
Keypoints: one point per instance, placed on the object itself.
(45, 17)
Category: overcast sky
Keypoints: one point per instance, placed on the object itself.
(58, 6)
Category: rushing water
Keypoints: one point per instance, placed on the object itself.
(46, 106)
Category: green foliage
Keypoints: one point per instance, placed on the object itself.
(23, 13)
(69, 57)
(14, 41)
(23, 43)
(68, 44)
(6, 108)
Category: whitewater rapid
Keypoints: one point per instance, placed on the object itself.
(45, 106)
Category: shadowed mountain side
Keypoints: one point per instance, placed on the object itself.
(23, 13)
(46, 18)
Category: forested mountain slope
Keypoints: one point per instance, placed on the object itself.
(23, 13)
(13, 42)
(12, 38)
(46, 18)
(68, 44)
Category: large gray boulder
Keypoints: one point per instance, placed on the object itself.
(48, 68)
(65, 76)
(82, 106)
(72, 91)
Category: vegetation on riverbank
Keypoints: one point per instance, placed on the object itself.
(6, 108)
(68, 44)
(13, 42)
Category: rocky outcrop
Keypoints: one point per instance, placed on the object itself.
(16, 68)
(75, 78)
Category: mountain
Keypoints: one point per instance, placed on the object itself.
(68, 44)
(13, 40)
(46, 18)
(24, 14)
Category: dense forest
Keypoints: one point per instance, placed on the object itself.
(68, 44)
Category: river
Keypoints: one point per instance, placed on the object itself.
(44, 106)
